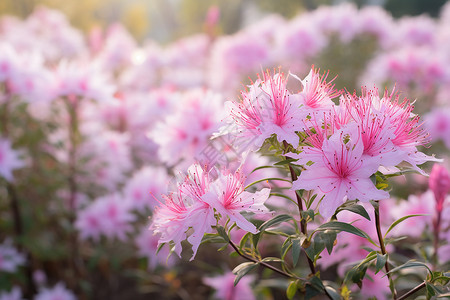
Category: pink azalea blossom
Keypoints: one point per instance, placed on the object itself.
(10, 159)
(437, 123)
(229, 199)
(226, 290)
(184, 134)
(146, 185)
(199, 202)
(267, 108)
(439, 183)
(340, 172)
(375, 285)
(316, 93)
(10, 258)
(415, 204)
(14, 294)
(147, 244)
(108, 215)
(58, 292)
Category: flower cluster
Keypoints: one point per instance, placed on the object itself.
(200, 202)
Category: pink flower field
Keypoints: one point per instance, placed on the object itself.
(300, 157)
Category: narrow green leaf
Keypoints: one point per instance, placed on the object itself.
(381, 261)
(285, 161)
(332, 293)
(357, 209)
(410, 264)
(272, 259)
(266, 179)
(401, 220)
(242, 269)
(291, 290)
(308, 214)
(341, 226)
(296, 249)
(244, 240)
(261, 167)
(275, 221)
(430, 291)
(221, 231)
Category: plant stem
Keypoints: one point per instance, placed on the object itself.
(303, 224)
(275, 269)
(417, 288)
(383, 248)
(437, 229)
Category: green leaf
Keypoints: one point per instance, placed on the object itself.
(242, 269)
(430, 291)
(222, 232)
(313, 287)
(244, 240)
(275, 221)
(341, 226)
(357, 209)
(272, 259)
(410, 264)
(285, 161)
(381, 261)
(357, 273)
(308, 214)
(332, 293)
(296, 248)
(401, 220)
(266, 179)
(291, 290)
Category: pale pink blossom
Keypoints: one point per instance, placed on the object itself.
(108, 216)
(83, 79)
(185, 134)
(14, 294)
(58, 292)
(340, 172)
(10, 258)
(146, 185)
(226, 290)
(199, 202)
(267, 108)
(147, 243)
(117, 48)
(375, 285)
(229, 199)
(437, 123)
(439, 183)
(10, 159)
(415, 204)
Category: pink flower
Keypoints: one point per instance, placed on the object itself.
(267, 108)
(14, 294)
(416, 204)
(58, 292)
(226, 290)
(9, 159)
(108, 215)
(83, 79)
(340, 172)
(229, 199)
(440, 185)
(10, 258)
(200, 202)
(184, 134)
(316, 93)
(147, 244)
(146, 185)
(375, 285)
(438, 125)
